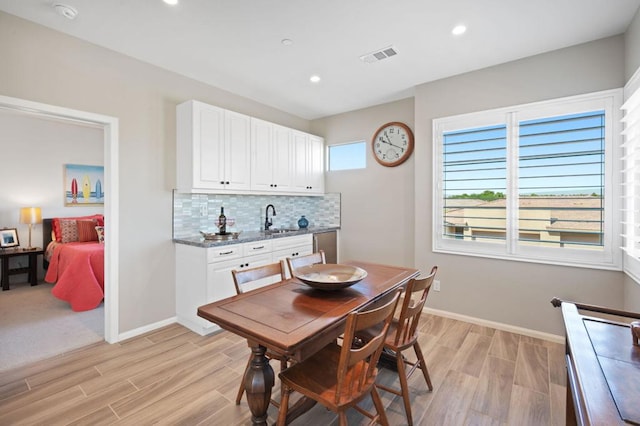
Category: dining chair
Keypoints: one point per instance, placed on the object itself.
(339, 377)
(403, 334)
(309, 259)
(240, 279)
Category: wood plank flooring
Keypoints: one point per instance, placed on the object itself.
(481, 376)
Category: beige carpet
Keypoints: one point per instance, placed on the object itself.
(34, 325)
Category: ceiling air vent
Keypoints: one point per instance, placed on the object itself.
(379, 55)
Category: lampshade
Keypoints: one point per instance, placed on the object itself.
(30, 215)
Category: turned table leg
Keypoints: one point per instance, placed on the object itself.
(258, 384)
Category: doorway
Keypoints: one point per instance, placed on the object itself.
(110, 131)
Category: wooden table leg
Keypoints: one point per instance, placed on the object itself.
(258, 384)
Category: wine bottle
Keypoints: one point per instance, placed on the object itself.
(222, 222)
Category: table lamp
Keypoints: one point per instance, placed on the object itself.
(30, 216)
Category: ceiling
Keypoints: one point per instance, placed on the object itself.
(236, 45)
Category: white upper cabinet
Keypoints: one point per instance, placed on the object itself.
(224, 151)
(270, 157)
(308, 154)
(213, 148)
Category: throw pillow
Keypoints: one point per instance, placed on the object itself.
(87, 230)
(100, 232)
(68, 231)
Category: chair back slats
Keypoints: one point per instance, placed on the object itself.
(357, 365)
(309, 259)
(245, 276)
(406, 330)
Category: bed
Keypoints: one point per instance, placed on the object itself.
(75, 261)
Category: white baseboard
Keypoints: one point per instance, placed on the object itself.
(147, 328)
(497, 325)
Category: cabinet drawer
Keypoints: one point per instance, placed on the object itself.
(287, 242)
(257, 247)
(219, 254)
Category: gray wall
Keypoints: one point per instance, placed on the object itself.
(632, 47)
(511, 292)
(632, 66)
(42, 65)
(377, 202)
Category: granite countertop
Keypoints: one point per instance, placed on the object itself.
(247, 237)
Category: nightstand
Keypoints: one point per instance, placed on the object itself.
(31, 269)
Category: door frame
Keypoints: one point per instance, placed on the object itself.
(110, 129)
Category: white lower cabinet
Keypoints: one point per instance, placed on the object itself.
(203, 275)
(295, 246)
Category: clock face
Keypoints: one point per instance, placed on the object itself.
(392, 144)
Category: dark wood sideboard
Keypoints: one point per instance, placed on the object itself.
(603, 365)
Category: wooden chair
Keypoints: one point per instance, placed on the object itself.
(309, 259)
(339, 377)
(246, 276)
(403, 334)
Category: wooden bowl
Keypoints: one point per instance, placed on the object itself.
(329, 276)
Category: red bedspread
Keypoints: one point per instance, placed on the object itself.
(77, 269)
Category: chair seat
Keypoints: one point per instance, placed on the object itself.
(318, 375)
(390, 341)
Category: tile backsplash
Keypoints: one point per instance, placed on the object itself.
(193, 213)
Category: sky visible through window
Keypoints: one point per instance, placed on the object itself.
(347, 156)
(561, 155)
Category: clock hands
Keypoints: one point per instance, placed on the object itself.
(388, 142)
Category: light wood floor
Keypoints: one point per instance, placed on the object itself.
(481, 376)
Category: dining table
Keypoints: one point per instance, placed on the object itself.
(294, 320)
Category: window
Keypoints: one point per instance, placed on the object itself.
(631, 185)
(532, 182)
(347, 156)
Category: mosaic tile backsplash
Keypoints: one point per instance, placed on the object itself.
(193, 213)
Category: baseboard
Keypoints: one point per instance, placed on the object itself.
(497, 325)
(147, 328)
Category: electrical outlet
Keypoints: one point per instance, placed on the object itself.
(204, 210)
(436, 285)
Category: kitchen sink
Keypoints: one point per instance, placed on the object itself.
(280, 231)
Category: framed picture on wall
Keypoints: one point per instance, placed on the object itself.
(9, 238)
(83, 185)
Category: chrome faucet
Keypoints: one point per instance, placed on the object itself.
(267, 222)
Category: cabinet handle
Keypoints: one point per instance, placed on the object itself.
(222, 253)
(221, 182)
(226, 183)
(258, 248)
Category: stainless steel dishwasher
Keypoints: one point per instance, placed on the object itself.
(326, 241)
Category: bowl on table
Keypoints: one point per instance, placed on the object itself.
(329, 276)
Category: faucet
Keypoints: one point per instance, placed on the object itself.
(267, 222)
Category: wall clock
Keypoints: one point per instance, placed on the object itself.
(392, 144)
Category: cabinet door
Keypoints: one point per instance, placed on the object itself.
(237, 150)
(219, 280)
(270, 157)
(255, 261)
(261, 155)
(291, 252)
(315, 164)
(200, 146)
(209, 141)
(281, 158)
(299, 145)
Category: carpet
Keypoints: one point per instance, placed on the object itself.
(34, 325)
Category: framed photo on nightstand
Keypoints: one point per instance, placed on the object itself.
(9, 238)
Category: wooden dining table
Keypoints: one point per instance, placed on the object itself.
(294, 320)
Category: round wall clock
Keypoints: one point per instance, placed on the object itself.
(392, 144)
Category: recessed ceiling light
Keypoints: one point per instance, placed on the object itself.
(287, 42)
(65, 10)
(314, 79)
(458, 30)
(171, 2)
